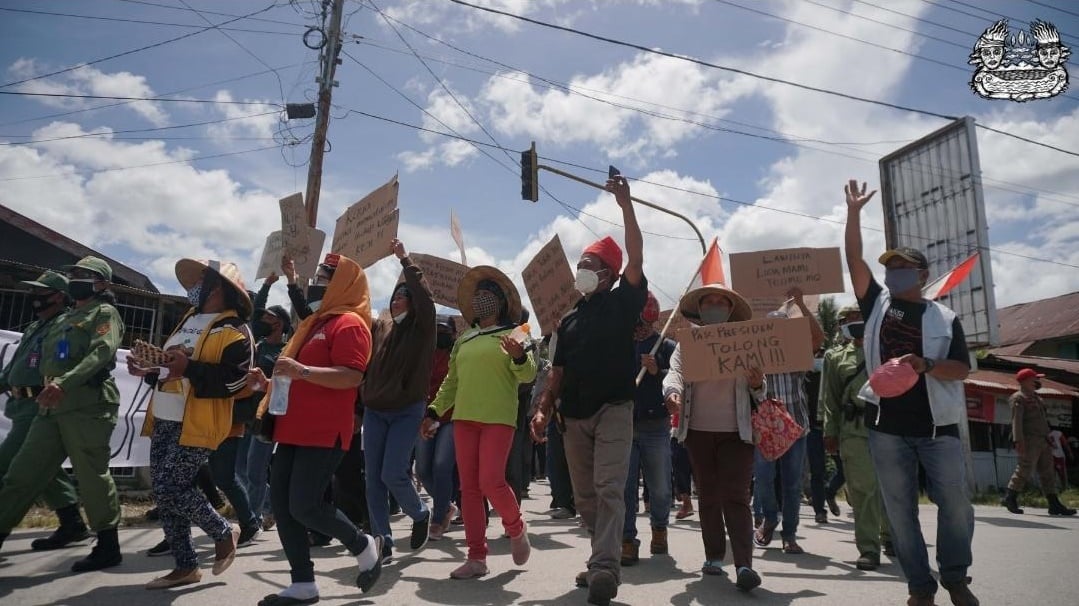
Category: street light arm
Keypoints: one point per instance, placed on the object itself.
(704, 247)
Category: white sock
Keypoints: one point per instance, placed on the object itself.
(300, 591)
(369, 556)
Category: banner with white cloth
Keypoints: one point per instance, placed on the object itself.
(128, 448)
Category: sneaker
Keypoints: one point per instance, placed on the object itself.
(563, 513)
(421, 530)
(520, 547)
(160, 549)
(747, 579)
(713, 567)
(602, 587)
(960, 593)
(868, 561)
(471, 569)
(821, 517)
(248, 534)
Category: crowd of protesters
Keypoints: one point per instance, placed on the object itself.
(325, 426)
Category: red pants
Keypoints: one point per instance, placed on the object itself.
(482, 450)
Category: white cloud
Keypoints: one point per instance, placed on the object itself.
(254, 120)
(444, 114)
(89, 80)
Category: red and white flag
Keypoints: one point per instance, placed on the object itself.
(944, 284)
(711, 269)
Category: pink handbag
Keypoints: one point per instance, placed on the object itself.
(774, 430)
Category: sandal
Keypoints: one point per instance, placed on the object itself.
(790, 546)
(763, 536)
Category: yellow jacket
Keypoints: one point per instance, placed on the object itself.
(217, 370)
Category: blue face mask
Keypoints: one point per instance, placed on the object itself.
(715, 315)
(901, 279)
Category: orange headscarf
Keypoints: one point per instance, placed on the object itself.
(347, 293)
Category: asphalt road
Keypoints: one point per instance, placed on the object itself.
(1029, 559)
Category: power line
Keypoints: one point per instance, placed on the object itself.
(982, 18)
(135, 50)
(139, 21)
(1056, 8)
(685, 190)
(136, 166)
(785, 138)
(133, 130)
(207, 12)
(743, 72)
(156, 99)
(890, 25)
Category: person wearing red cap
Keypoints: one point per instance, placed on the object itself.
(650, 451)
(920, 426)
(1030, 430)
(593, 371)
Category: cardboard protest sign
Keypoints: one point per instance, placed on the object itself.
(720, 351)
(549, 282)
(678, 323)
(442, 275)
(306, 261)
(363, 232)
(766, 273)
(762, 306)
(294, 226)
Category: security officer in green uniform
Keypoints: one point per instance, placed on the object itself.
(842, 411)
(21, 379)
(78, 410)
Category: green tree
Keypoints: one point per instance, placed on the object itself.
(828, 315)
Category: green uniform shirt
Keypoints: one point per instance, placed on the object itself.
(81, 353)
(839, 390)
(24, 370)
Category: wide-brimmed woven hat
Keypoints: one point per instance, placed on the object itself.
(477, 274)
(189, 272)
(690, 304)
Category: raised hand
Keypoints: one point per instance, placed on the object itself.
(857, 198)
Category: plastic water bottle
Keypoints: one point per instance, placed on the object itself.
(279, 394)
(521, 334)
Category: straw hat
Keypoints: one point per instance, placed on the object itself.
(473, 277)
(690, 304)
(189, 273)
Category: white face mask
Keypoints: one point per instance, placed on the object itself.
(314, 305)
(400, 317)
(586, 281)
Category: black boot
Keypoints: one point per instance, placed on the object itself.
(1011, 501)
(1056, 508)
(72, 529)
(105, 554)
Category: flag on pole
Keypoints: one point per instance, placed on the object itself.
(711, 269)
(944, 284)
(458, 237)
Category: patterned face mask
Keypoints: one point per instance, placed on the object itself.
(194, 295)
(485, 304)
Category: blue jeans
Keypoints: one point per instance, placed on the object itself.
(790, 471)
(896, 461)
(388, 439)
(436, 461)
(253, 470)
(649, 452)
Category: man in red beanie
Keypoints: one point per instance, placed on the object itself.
(593, 374)
(1030, 430)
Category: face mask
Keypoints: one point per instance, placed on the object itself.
(261, 329)
(484, 304)
(80, 290)
(194, 295)
(444, 340)
(587, 281)
(400, 317)
(818, 364)
(314, 296)
(40, 302)
(715, 315)
(902, 279)
(853, 330)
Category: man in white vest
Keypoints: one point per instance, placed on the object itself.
(920, 426)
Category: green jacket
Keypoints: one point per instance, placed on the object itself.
(839, 392)
(92, 333)
(19, 372)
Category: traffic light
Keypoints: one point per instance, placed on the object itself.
(530, 174)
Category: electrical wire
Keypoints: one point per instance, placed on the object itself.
(156, 99)
(133, 130)
(889, 25)
(139, 21)
(743, 72)
(1056, 8)
(208, 12)
(135, 50)
(987, 14)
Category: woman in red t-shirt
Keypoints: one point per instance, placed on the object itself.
(325, 360)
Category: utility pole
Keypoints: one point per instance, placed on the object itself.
(326, 83)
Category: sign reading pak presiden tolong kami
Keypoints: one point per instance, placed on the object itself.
(724, 351)
(766, 273)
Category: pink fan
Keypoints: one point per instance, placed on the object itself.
(892, 379)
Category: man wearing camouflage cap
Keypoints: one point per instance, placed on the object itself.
(78, 409)
(22, 381)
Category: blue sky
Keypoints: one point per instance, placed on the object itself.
(223, 207)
